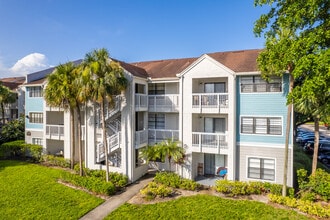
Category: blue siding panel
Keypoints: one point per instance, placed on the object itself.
(33, 104)
(262, 104)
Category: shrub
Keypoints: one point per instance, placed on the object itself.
(13, 149)
(55, 161)
(153, 189)
(175, 181)
(93, 184)
(235, 188)
(35, 151)
(303, 205)
(120, 180)
(315, 187)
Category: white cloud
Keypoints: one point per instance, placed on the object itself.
(31, 63)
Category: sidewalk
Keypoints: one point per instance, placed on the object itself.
(115, 201)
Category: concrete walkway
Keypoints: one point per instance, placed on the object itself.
(115, 201)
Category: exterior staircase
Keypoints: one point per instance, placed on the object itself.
(113, 124)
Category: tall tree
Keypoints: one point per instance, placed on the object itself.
(294, 31)
(107, 81)
(61, 92)
(6, 97)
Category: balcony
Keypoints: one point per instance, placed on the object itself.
(163, 103)
(55, 132)
(141, 102)
(141, 138)
(210, 142)
(210, 103)
(159, 135)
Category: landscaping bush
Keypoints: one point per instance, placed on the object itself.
(118, 179)
(34, 151)
(52, 160)
(153, 189)
(314, 187)
(93, 184)
(308, 207)
(236, 188)
(13, 149)
(175, 181)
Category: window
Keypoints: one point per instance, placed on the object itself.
(156, 89)
(219, 87)
(37, 141)
(251, 84)
(139, 88)
(35, 91)
(36, 117)
(261, 125)
(261, 168)
(156, 121)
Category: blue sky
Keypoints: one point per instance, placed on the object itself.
(36, 34)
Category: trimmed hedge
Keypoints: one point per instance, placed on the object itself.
(19, 149)
(175, 181)
(93, 184)
(52, 160)
(118, 179)
(238, 188)
(153, 189)
(305, 206)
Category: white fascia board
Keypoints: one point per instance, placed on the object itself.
(205, 56)
(248, 73)
(163, 80)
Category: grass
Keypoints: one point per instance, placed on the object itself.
(203, 207)
(31, 191)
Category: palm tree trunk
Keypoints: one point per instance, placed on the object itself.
(72, 142)
(3, 113)
(316, 143)
(287, 138)
(81, 173)
(105, 143)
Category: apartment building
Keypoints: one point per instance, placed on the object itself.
(217, 105)
(14, 110)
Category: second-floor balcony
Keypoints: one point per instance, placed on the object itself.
(141, 138)
(163, 103)
(159, 135)
(210, 102)
(141, 102)
(209, 142)
(55, 132)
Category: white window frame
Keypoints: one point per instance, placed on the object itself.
(261, 163)
(36, 113)
(258, 83)
(253, 119)
(39, 141)
(35, 92)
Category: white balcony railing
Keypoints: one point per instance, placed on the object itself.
(210, 100)
(141, 137)
(163, 103)
(159, 135)
(55, 131)
(209, 140)
(141, 101)
(114, 141)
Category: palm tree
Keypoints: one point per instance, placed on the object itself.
(107, 81)
(61, 92)
(171, 150)
(151, 154)
(6, 97)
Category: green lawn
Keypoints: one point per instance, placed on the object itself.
(31, 191)
(203, 207)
